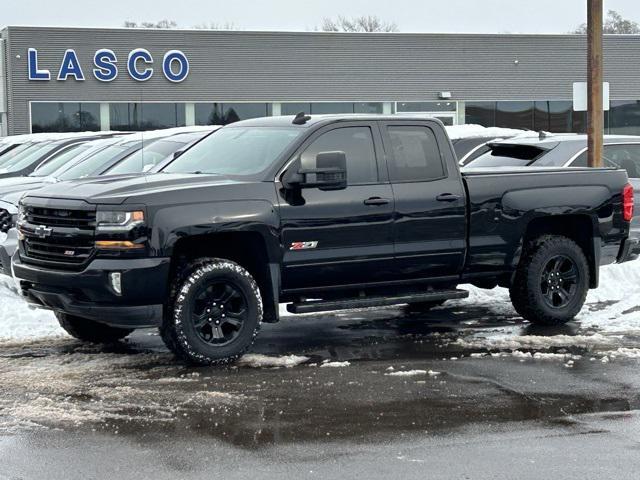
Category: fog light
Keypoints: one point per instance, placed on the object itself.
(116, 282)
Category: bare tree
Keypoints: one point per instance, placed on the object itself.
(166, 24)
(216, 26)
(365, 23)
(614, 24)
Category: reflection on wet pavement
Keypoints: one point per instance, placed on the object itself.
(483, 372)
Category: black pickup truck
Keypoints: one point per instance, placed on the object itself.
(322, 213)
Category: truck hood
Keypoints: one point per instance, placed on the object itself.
(12, 189)
(115, 190)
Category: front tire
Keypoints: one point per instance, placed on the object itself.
(551, 282)
(89, 330)
(214, 312)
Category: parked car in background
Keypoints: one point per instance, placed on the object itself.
(90, 159)
(565, 150)
(22, 161)
(470, 141)
(149, 157)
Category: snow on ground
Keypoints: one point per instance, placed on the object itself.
(257, 360)
(612, 309)
(19, 321)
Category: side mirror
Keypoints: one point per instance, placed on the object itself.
(177, 154)
(330, 173)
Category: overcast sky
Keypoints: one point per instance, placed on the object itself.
(486, 16)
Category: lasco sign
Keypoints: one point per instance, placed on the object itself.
(139, 66)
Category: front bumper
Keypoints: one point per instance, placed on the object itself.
(7, 248)
(88, 294)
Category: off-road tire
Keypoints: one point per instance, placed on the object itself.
(526, 291)
(90, 330)
(177, 329)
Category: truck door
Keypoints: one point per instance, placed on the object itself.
(339, 237)
(430, 217)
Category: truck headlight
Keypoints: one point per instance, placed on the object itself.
(112, 220)
(120, 230)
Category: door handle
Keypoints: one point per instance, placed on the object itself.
(448, 197)
(377, 201)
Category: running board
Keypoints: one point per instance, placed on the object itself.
(364, 302)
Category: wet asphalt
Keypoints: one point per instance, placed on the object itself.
(470, 408)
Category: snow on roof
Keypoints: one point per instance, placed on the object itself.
(458, 132)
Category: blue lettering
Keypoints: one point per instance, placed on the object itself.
(175, 56)
(106, 69)
(70, 66)
(139, 54)
(34, 72)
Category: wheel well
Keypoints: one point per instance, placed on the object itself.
(247, 249)
(578, 228)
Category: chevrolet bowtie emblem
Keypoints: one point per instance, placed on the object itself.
(43, 232)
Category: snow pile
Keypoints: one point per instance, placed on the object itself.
(457, 132)
(613, 307)
(20, 321)
(257, 360)
(510, 342)
(407, 373)
(413, 373)
(329, 364)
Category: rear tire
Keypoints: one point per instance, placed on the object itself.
(214, 312)
(90, 330)
(551, 282)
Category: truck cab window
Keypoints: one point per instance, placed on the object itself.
(356, 143)
(415, 154)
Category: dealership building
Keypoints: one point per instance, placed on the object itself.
(71, 79)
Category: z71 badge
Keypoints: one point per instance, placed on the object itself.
(303, 245)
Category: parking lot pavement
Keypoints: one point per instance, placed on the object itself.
(458, 393)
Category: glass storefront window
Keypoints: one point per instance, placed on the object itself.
(146, 116)
(624, 117)
(225, 113)
(514, 115)
(371, 107)
(323, 108)
(481, 113)
(295, 108)
(326, 108)
(427, 106)
(65, 117)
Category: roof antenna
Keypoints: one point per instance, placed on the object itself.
(301, 118)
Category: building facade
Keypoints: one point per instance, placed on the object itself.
(72, 79)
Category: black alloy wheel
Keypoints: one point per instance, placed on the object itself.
(559, 281)
(218, 312)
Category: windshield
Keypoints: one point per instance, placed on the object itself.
(59, 160)
(508, 156)
(27, 157)
(235, 151)
(148, 157)
(8, 156)
(93, 165)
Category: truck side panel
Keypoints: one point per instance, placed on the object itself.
(504, 206)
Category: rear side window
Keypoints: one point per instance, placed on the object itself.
(415, 154)
(356, 143)
(508, 156)
(626, 157)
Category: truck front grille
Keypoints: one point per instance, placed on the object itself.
(6, 222)
(58, 237)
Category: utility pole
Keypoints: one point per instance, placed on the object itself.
(595, 114)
